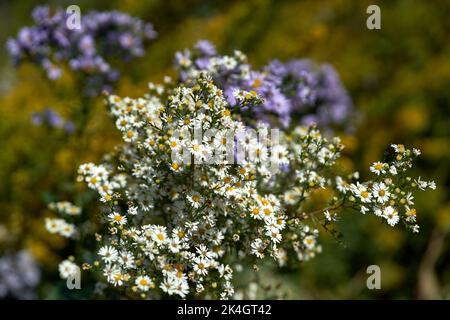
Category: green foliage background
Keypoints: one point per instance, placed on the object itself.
(398, 78)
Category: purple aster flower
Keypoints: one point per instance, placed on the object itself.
(104, 37)
(205, 48)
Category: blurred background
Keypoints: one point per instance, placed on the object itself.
(398, 78)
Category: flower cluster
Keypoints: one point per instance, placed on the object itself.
(196, 200)
(90, 50)
(297, 92)
(390, 194)
(19, 276)
(59, 225)
(52, 119)
(193, 192)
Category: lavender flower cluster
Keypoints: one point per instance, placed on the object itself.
(102, 37)
(295, 92)
(19, 276)
(52, 119)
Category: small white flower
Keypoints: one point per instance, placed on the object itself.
(67, 269)
(381, 192)
(342, 185)
(309, 242)
(53, 225)
(126, 260)
(391, 216)
(195, 199)
(362, 192)
(378, 168)
(201, 266)
(159, 235)
(117, 218)
(143, 283)
(109, 254)
(393, 170)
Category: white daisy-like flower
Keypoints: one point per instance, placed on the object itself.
(410, 214)
(116, 277)
(168, 285)
(201, 266)
(378, 168)
(257, 248)
(67, 230)
(126, 259)
(391, 215)
(144, 283)
(109, 254)
(380, 192)
(291, 197)
(117, 218)
(309, 242)
(342, 185)
(53, 225)
(195, 199)
(67, 269)
(378, 212)
(362, 192)
(159, 235)
(182, 289)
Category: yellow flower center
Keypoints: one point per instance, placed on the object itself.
(160, 236)
(378, 166)
(143, 282)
